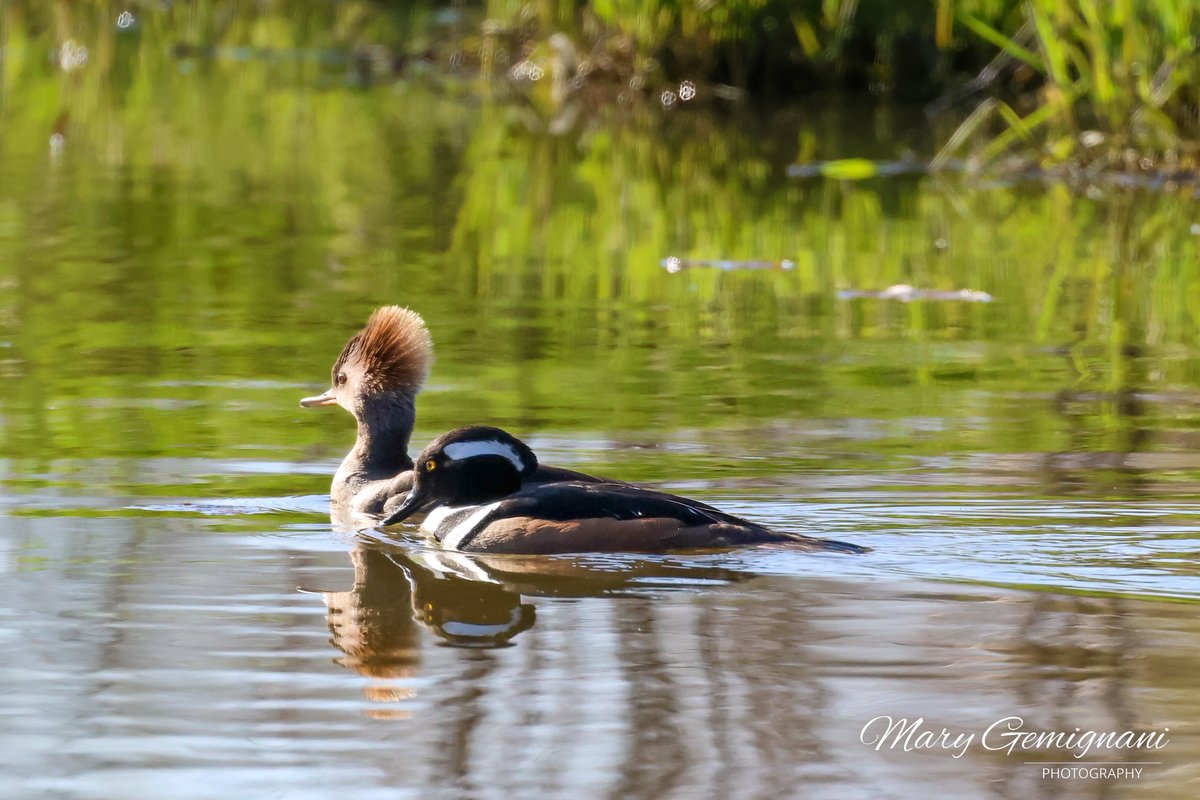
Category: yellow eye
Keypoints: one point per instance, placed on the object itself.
(430, 465)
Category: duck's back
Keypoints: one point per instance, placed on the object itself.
(579, 516)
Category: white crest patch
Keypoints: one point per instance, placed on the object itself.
(490, 447)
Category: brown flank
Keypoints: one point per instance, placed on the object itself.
(602, 534)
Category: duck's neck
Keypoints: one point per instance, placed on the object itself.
(381, 449)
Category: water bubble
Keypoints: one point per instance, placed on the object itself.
(57, 144)
(637, 82)
(687, 90)
(1195, 229)
(526, 70)
(72, 56)
(673, 264)
(668, 98)
(125, 20)
(941, 244)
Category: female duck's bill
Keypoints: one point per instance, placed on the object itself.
(474, 479)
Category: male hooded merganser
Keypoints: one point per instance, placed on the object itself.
(474, 476)
(376, 378)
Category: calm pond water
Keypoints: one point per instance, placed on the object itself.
(185, 244)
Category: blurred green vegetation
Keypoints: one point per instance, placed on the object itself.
(1099, 84)
(1120, 86)
(910, 49)
(187, 239)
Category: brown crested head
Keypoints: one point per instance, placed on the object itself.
(393, 352)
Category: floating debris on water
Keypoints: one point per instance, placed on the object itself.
(906, 294)
(674, 264)
(857, 169)
(1009, 173)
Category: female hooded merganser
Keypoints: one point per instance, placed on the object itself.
(474, 476)
(376, 378)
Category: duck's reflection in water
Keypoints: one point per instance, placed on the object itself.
(372, 625)
(467, 601)
(376, 623)
(463, 601)
(714, 692)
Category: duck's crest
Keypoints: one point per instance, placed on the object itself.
(394, 350)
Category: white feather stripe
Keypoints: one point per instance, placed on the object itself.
(490, 447)
(454, 537)
(438, 516)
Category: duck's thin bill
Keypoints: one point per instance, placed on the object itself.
(326, 399)
(411, 504)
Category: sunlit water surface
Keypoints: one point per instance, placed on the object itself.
(179, 619)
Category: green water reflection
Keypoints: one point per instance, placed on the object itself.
(191, 252)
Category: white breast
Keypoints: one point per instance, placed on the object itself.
(453, 524)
